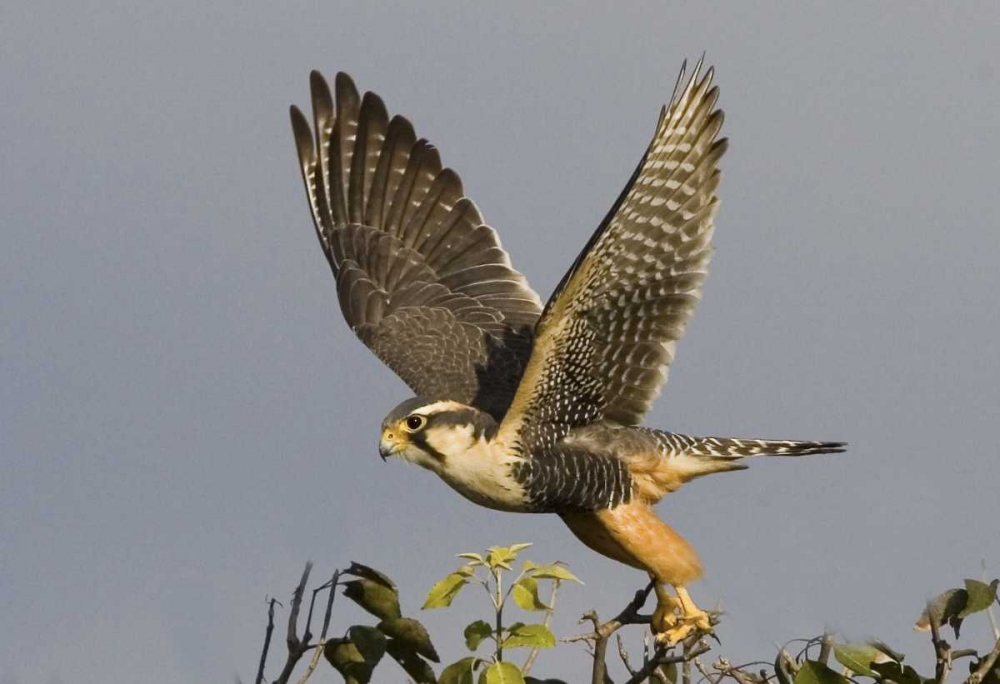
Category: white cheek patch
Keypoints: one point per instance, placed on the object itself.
(453, 441)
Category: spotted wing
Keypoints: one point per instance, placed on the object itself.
(606, 338)
(420, 278)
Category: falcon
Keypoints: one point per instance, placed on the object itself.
(523, 407)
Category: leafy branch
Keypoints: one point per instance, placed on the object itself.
(819, 660)
(489, 572)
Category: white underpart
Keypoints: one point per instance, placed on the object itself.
(479, 469)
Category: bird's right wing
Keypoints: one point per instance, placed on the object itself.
(606, 337)
(421, 280)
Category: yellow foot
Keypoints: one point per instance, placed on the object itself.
(672, 629)
(665, 616)
(684, 627)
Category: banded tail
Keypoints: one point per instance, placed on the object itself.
(731, 448)
(704, 455)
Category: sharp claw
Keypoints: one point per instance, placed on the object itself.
(670, 628)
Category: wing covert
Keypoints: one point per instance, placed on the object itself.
(607, 335)
(421, 280)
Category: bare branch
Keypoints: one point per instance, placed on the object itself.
(334, 581)
(267, 640)
(293, 615)
(602, 632)
(825, 648)
(296, 648)
(985, 665)
(726, 669)
(623, 654)
(313, 662)
(660, 658)
(942, 650)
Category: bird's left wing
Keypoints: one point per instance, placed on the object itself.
(421, 280)
(606, 337)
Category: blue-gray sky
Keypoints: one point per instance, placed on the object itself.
(185, 418)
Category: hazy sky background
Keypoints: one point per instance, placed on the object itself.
(185, 418)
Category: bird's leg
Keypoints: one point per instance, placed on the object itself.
(665, 616)
(692, 619)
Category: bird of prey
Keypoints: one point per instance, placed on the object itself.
(519, 406)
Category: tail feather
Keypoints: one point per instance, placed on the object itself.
(660, 462)
(731, 448)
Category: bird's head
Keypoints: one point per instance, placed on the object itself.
(428, 432)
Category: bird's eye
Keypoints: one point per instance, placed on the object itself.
(415, 422)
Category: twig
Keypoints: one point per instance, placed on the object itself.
(726, 669)
(623, 654)
(312, 604)
(942, 651)
(602, 632)
(706, 675)
(686, 667)
(267, 640)
(985, 665)
(334, 581)
(530, 661)
(313, 662)
(296, 648)
(497, 573)
(825, 648)
(293, 615)
(661, 659)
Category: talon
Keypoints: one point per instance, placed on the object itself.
(669, 628)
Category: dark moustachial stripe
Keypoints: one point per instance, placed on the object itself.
(568, 478)
(420, 439)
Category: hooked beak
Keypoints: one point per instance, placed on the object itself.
(387, 448)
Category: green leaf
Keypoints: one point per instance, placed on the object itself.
(356, 656)
(412, 634)
(500, 557)
(897, 672)
(475, 632)
(981, 596)
(364, 572)
(460, 672)
(946, 608)
(813, 672)
(518, 548)
(474, 557)
(378, 599)
(885, 649)
(467, 570)
(525, 593)
(857, 657)
(444, 592)
(784, 667)
(529, 635)
(554, 571)
(669, 672)
(502, 673)
(369, 641)
(411, 662)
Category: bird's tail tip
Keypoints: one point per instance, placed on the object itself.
(798, 448)
(728, 448)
